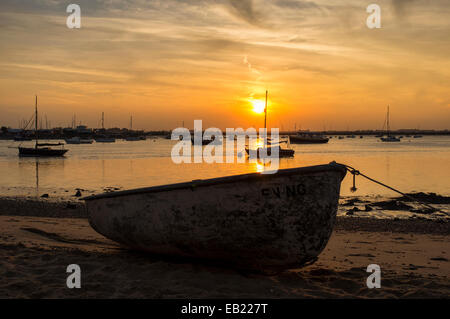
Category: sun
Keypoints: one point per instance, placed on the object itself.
(258, 106)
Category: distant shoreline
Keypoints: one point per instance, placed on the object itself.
(58, 134)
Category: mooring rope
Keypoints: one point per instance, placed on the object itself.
(355, 172)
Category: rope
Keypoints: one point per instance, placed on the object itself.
(355, 172)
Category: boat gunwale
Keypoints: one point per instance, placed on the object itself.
(333, 166)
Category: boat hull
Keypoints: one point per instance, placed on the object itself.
(390, 139)
(44, 152)
(133, 138)
(254, 221)
(305, 140)
(105, 140)
(258, 153)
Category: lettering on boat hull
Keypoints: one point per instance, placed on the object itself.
(285, 191)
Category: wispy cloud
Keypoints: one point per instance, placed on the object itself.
(250, 68)
(401, 7)
(245, 9)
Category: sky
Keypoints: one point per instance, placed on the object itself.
(168, 61)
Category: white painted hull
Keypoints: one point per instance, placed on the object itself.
(253, 221)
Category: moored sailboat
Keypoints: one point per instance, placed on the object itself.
(41, 149)
(389, 138)
(266, 150)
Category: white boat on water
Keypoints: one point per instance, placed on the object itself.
(267, 222)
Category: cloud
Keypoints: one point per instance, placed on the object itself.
(244, 9)
(296, 4)
(250, 68)
(401, 7)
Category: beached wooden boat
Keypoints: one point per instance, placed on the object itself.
(253, 221)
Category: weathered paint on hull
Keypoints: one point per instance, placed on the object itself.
(254, 221)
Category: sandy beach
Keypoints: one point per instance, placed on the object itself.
(39, 239)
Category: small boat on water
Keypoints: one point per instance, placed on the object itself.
(205, 141)
(262, 152)
(389, 137)
(266, 149)
(41, 149)
(79, 140)
(105, 139)
(20, 138)
(132, 138)
(308, 139)
(266, 222)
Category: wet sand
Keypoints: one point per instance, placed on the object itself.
(35, 251)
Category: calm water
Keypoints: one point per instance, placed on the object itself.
(411, 165)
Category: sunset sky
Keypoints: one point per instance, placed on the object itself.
(167, 61)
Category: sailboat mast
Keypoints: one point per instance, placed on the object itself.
(387, 124)
(35, 123)
(265, 113)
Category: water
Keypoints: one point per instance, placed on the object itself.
(412, 165)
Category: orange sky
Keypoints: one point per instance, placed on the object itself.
(168, 61)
